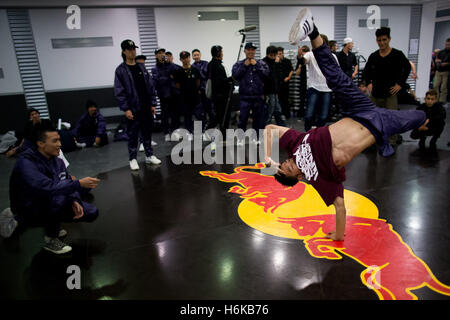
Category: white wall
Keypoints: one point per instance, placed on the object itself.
(425, 48)
(276, 22)
(178, 29)
(11, 83)
(364, 38)
(74, 68)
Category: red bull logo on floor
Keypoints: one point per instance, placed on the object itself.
(392, 269)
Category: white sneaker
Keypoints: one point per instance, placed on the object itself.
(167, 137)
(134, 165)
(80, 145)
(302, 27)
(141, 148)
(240, 142)
(154, 143)
(152, 160)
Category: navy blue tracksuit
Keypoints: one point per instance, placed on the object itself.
(138, 97)
(251, 92)
(88, 128)
(42, 192)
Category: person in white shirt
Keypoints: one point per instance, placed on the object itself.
(318, 94)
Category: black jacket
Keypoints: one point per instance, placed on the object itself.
(436, 114)
(385, 72)
(273, 83)
(221, 84)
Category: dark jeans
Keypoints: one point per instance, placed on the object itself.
(317, 102)
(273, 107)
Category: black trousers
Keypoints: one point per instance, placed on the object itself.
(222, 116)
(433, 131)
(283, 97)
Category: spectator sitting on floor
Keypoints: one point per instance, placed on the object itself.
(42, 193)
(436, 114)
(34, 123)
(90, 130)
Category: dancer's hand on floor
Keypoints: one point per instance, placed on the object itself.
(332, 235)
(270, 163)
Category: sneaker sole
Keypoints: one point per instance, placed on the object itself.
(69, 248)
(297, 27)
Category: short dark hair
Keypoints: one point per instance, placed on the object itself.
(140, 57)
(383, 31)
(305, 48)
(91, 103)
(31, 110)
(285, 180)
(168, 53)
(332, 43)
(280, 49)
(40, 134)
(448, 40)
(362, 83)
(195, 50)
(431, 92)
(124, 57)
(271, 50)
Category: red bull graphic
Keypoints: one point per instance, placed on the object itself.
(392, 270)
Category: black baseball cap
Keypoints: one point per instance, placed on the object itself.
(128, 44)
(140, 57)
(184, 54)
(158, 50)
(249, 45)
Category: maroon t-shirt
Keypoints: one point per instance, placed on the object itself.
(312, 153)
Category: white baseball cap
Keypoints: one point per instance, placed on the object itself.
(347, 40)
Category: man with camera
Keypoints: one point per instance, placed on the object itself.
(251, 75)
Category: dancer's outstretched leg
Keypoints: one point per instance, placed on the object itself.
(382, 123)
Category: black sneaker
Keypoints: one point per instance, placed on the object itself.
(56, 246)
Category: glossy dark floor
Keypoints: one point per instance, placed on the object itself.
(168, 232)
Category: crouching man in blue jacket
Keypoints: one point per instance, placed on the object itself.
(42, 193)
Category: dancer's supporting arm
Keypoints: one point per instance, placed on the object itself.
(339, 234)
(270, 130)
